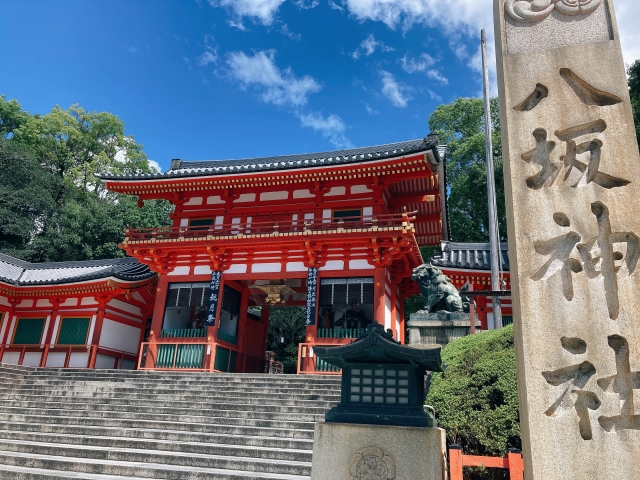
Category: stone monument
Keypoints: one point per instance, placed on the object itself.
(446, 314)
(572, 184)
(380, 429)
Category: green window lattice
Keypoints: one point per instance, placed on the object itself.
(73, 331)
(28, 331)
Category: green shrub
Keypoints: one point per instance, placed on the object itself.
(476, 399)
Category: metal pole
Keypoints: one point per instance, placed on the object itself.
(491, 188)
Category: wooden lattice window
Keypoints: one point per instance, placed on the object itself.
(347, 215)
(73, 331)
(28, 331)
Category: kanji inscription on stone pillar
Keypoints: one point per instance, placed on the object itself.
(572, 185)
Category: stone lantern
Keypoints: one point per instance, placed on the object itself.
(382, 381)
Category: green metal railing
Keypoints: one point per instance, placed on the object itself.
(225, 359)
(225, 337)
(507, 320)
(183, 333)
(339, 332)
(180, 356)
(322, 366)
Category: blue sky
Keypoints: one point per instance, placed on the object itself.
(224, 79)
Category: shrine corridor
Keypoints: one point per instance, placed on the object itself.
(108, 424)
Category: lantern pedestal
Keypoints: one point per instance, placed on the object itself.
(351, 451)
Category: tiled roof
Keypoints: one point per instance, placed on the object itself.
(471, 256)
(181, 168)
(20, 273)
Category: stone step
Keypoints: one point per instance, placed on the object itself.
(123, 469)
(25, 473)
(159, 434)
(263, 451)
(185, 459)
(290, 429)
(176, 408)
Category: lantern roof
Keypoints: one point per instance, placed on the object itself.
(375, 346)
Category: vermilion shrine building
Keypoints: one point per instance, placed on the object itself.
(336, 232)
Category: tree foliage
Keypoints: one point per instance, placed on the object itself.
(476, 399)
(634, 92)
(460, 125)
(286, 323)
(53, 207)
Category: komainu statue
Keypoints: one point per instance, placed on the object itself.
(437, 289)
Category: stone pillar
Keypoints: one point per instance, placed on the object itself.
(572, 185)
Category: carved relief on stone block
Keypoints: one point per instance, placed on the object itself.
(372, 463)
(528, 11)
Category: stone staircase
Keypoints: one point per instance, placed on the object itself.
(108, 424)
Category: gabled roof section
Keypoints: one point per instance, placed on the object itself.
(471, 256)
(182, 169)
(20, 273)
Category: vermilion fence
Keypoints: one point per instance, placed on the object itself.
(457, 460)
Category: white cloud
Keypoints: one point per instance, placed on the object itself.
(411, 65)
(371, 111)
(132, 50)
(434, 96)
(335, 6)
(210, 54)
(393, 90)
(437, 76)
(262, 11)
(331, 127)
(307, 3)
(155, 165)
(280, 87)
(370, 45)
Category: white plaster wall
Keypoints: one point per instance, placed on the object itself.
(32, 359)
(333, 265)
(88, 301)
(70, 302)
(367, 212)
(202, 270)
(360, 264)
(4, 301)
(214, 200)
(138, 297)
(246, 197)
(355, 189)
(26, 304)
(184, 222)
(127, 307)
(326, 215)
(11, 329)
(194, 201)
(302, 194)
(55, 331)
(79, 360)
(6, 320)
(273, 196)
(105, 361)
(387, 312)
(56, 359)
(336, 191)
(296, 267)
(219, 219)
(11, 357)
(119, 336)
(182, 270)
(237, 268)
(266, 267)
(45, 330)
(92, 327)
(43, 302)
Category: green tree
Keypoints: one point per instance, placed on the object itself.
(26, 198)
(286, 323)
(460, 125)
(53, 206)
(476, 399)
(634, 92)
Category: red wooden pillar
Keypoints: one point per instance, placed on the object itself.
(455, 462)
(402, 323)
(8, 321)
(97, 328)
(158, 310)
(516, 465)
(48, 335)
(395, 325)
(379, 279)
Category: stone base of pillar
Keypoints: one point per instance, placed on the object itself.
(346, 451)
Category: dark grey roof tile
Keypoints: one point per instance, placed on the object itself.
(470, 256)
